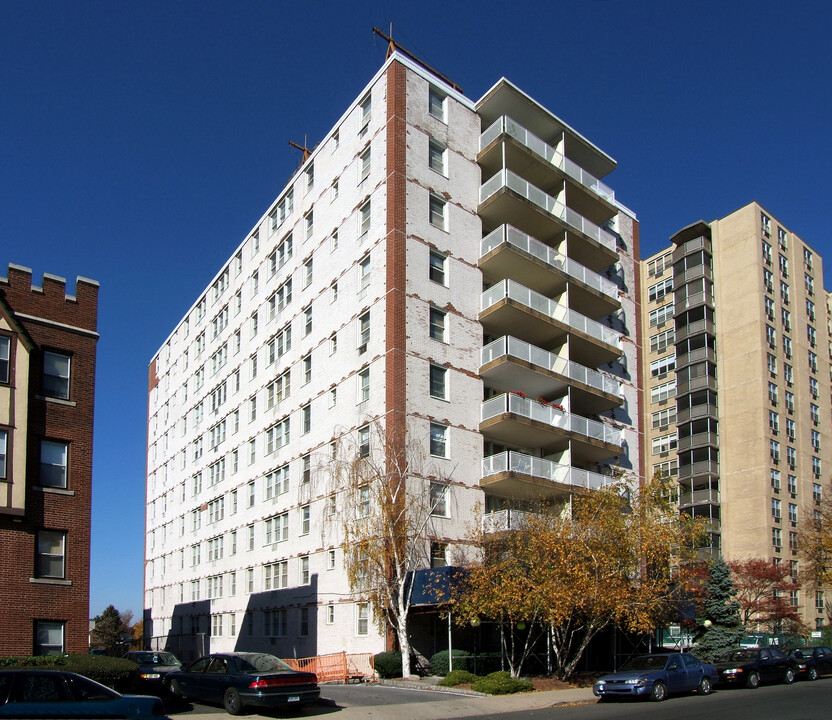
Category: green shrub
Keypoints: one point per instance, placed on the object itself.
(501, 683)
(462, 661)
(116, 673)
(458, 677)
(388, 664)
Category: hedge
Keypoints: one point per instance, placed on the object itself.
(458, 677)
(501, 683)
(388, 664)
(116, 673)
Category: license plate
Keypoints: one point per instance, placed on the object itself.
(294, 698)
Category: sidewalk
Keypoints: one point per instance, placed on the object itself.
(439, 704)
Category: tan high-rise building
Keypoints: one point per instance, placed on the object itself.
(737, 391)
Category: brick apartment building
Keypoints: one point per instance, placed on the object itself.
(47, 385)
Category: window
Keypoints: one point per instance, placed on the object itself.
(333, 292)
(663, 418)
(771, 362)
(437, 263)
(336, 140)
(307, 273)
(777, 538)
(438, 440)
(660, 342)
(656, 293)
(438, 325)
(815, 440)
(275, 624)
(330, 560)
(784, 292)
(790, 427)
(771, 337)
(333, 241)
(775, 509)
(304, 520)
(663, 392)
(814, 412)
(363, 332)
(813, 387)
(438, 554)
(306, 363)
(364, 385)
(792, 513)
(303, 575)
(792, 485)
(765, 224)
(664, 444)
(816, 492)
(784, 266)
(437, 104)
(769, 307)
(438, 382)
(809, 284)
(309, 221)
(307, 320)
(364, 441)
(786, 317)
(362, 618)
(789, 402)
(437, 156)
(662, 366)
(53, 462)
(439, 499)
(787, 374)
(306, 415)
(775, 480)
(276, 529)
(306, 468)
(49, 637)
(810, 310)
(216, 625)
(333, 343)
(766, 252)
(365, 108)
(660, 316)
(51, 554)
(276, 576)
(774, 451)
(364, 217)
(768, 280)
(816, 467)
(810, 335)
(437, 212)
(277, 482)
(277, 436)
(813, 362)
(56, 375)
(773, 422)
(363, 275)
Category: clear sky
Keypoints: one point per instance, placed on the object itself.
(140, 141)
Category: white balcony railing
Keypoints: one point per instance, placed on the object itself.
(512, 128)
(512, 181)
(548, 415)
(510, 346)
(545, 469)
(503, 520)
(540, 303)
(512, 236)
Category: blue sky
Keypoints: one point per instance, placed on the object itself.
(139, 142)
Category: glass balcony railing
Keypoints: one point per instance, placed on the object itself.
(548, 415)
(545, 469)
(503, 520)
(512, 236)
(508, 346)
(540, 303)
(512, 128)
(571, 218)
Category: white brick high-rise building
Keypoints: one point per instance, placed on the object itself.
(450, 270)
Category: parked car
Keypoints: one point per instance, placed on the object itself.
(238, 680)
(153, 666)
(751, 666)
(656, 676)
(59, 694)
(812, 661)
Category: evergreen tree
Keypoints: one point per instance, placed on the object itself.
(111, 630)
(722, 626)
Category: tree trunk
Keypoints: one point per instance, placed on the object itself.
(404, 644)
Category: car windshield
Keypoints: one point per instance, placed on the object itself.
(149, 658)
(646, 662)
(738, 656)
(260, 663)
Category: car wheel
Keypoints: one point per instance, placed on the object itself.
(753, 680)
(175, 689)
(705, 686)
(788, 678)
(812, 673)
(232, 703)
(658, 692)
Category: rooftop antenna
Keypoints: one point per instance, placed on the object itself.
(393, 46)
(306, 151)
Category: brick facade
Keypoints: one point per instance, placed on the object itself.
(46, 319)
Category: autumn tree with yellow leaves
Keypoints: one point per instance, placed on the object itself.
(607, 557)
(815, 543)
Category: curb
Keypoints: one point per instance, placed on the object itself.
(416, 685)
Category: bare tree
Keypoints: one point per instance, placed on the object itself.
(388, 495)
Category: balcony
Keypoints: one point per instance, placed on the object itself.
(697, 412)
(697, 327)
(691, 246)
(513, 420)
(680, 304)
(519, 476)
(704, 467)
(698, 355)
(698, 440)
(509, 363)
(697, 272)
(507, 252)
(699, 497)
(506, 126)
(705, 382)
(508, 305)
(506, 197)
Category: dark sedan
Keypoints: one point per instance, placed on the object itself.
(153, 666)
(238, 680)
(751, 666)
(59, 694)
(656, 676)
(812, 661)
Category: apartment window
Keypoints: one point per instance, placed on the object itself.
(276, 529)
(309, 222)
(810, 310)
(663, 418)
(364, 217)
(766, 252)
(768, 280)
(791, 457)
(365, 164)
(306, 362)
(816, 467)
(310, 177)
(769, 307)
(51, 554)
(56, 375)
(53, 462)
(362, 619)
(660, 316)
(773, 422)
(437, 156)
(364, 441)
(336, 140)
(333, 292)
(792, 485)
(777, 538)
(437, 104)
(303, 577)
(784, 292)
(786, 317)
(775, 509)
(813, 387)
(765, 224)
(663, 392)
(814, 413)
(663, 340)
(666, 469)
(438, 440)
(438, 330)
(793, 513)
(333, 241)
(790, 429)
(307, 273)
(811, 335)
(216, 625)
(787, 374)
(363, 275)
(364, 385)
(771, 362)
(49, 637)
(306, 468)
(662, 366)
(363, 332)
(771, 336)
(816, 492)
(439, 499)
(279, 389)
(275, 624)
(656, 293)
(437, 212)
(305, 519)
(306, 415)
(276, 576)
(277, 436)
(252, 408)
(790, 402)
(774, 450)
(784, 266)
(438, 382)
(437, 266)
(333, 344)
(809, 283)
(365, 108)
(815, 440)
(793, 547)
(813, 362)
(330, 560)
(277, 482)
(775, 480)
(664, 444)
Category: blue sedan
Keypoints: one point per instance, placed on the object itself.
(656, 676)
(59, 694)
